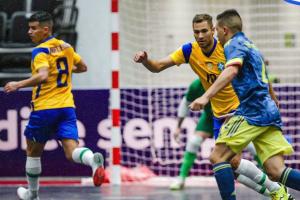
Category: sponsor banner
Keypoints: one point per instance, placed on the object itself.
(148, 120)
(92, 109)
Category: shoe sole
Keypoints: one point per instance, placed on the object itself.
(99, 175)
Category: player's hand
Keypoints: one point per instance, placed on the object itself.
(199, 103)
(140, 56)
(11, 87)
(177, 134)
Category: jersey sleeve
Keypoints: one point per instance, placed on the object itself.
(40, 58)
(235, 54)
(178, 57)
(76, 57)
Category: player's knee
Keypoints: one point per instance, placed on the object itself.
(194, 143)
(274, 173)
(235, 162)
(215, 158)
(212, 159)
(221, 153)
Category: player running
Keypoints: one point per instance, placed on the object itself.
(53, 111)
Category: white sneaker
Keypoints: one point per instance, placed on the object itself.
(178, 184)
(99, 173)
(25, 194)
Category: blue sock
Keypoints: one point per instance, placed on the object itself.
(225, 179)
(291, 178)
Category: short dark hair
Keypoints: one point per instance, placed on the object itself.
(203, 17)
(232, 19)
(42, 17)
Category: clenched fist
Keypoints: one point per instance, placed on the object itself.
(140, 56)
(199, 103)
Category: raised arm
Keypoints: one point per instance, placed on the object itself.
(154, 66)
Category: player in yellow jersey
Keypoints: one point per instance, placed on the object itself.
(206, 58)
(53, 113)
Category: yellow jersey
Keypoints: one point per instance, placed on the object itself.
(208, 67)
(60, 58)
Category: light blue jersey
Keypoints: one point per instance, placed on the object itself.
(251, 83)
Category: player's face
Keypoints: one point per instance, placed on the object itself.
(204, 34)
(221, 34)
(36, 32)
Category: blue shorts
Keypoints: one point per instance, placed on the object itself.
(49, 124)
(217, 126)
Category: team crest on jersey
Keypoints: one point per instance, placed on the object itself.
(220, 66)
(209, 65)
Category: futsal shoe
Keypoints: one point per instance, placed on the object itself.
(178, 184)
(25, 194)
(280, 194)
(290, 197)
(99, 173)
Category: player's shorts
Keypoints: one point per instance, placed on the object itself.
(268, 140)
(205, 123)
(49, 124)
(217, 122)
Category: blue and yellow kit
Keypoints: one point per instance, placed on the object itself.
(251, 86)
(59, 57)
(208, 67)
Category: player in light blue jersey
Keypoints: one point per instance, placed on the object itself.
(257, 119)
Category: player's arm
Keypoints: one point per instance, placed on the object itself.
(34, 80)
(181, 114)
(80, 67)
(153, 65)
(273, 95)
(224, 79)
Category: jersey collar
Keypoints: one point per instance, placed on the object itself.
(48, 38)
(212, 49)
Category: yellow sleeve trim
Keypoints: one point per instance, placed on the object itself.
(234, 61)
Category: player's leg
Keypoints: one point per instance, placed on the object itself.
(223, 172)
(271, 147)
(268, 143)
(68, 134)
(85, 156)
(37, 134)
(204, 130)
(33, 170)
(243, 168)
(190, 155)
(254, 178)
(252, 151)
(235, 135)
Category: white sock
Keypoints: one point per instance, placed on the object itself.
(250, 170)
(33, 170)
(85, 156)
(251, 184)
(251, 149)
